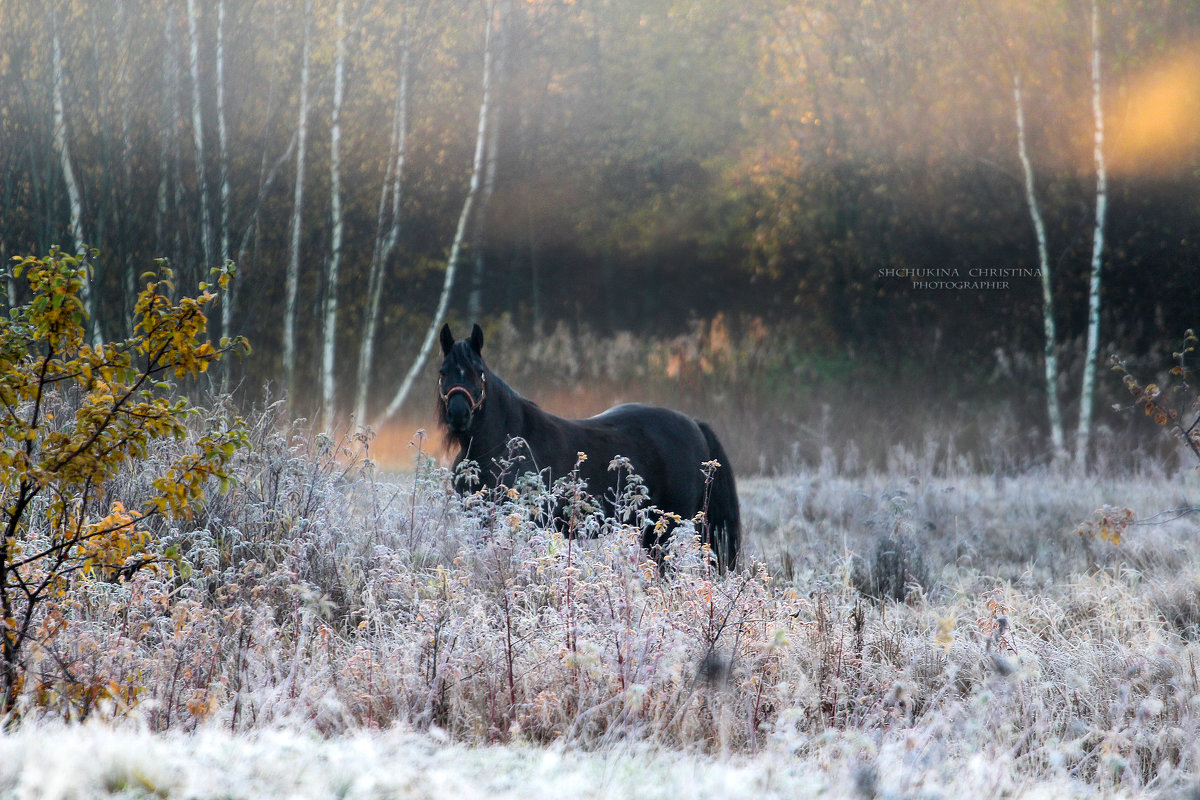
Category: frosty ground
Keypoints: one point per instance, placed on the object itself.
(918, 632)
(97, 761)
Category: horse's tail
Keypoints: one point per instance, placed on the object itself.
(723, 514)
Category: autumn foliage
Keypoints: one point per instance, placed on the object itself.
(74, 416)
(1175, 406)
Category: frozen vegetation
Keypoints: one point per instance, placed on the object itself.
(98, 761)
(333, 632)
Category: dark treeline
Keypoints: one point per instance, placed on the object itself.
(645, 163)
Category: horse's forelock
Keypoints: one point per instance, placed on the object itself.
(463, 353)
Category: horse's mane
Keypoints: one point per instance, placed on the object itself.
(443, 424)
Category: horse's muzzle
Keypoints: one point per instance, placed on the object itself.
(461, 405)
(459, 412)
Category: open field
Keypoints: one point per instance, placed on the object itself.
(337, 633)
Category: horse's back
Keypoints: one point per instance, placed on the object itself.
(637, 422)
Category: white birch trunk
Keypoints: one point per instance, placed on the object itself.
(388, 232)
(328, 349)
(74, 197)
(62, 149)
(223, 166)
(463, 217)
(198, 138)
(1050, 353)
(292, 281)
(1088, 386)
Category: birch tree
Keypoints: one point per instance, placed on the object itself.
(292, 279)
(1050, 352)
(198, 136)
(223, 168)
(460, 231)
(62, 148)
(479, 236)
(388, 221)
(123, 208)
(329, 336)
(1088, 387)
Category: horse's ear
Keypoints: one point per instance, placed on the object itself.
(447, 339)
(477, 339)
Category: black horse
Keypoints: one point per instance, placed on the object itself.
(480, 413)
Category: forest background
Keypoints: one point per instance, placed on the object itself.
(719, 206)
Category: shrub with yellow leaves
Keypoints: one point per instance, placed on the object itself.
(1108, 523)
(1177, 406)
(73, 414)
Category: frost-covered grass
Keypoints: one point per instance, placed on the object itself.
(339, 633)
(92, 761)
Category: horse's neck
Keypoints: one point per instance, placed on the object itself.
(507, 416)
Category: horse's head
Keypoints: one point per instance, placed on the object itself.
(462, 380)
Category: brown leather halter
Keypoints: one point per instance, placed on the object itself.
(475, 404)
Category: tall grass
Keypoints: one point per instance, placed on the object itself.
(321, 595)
